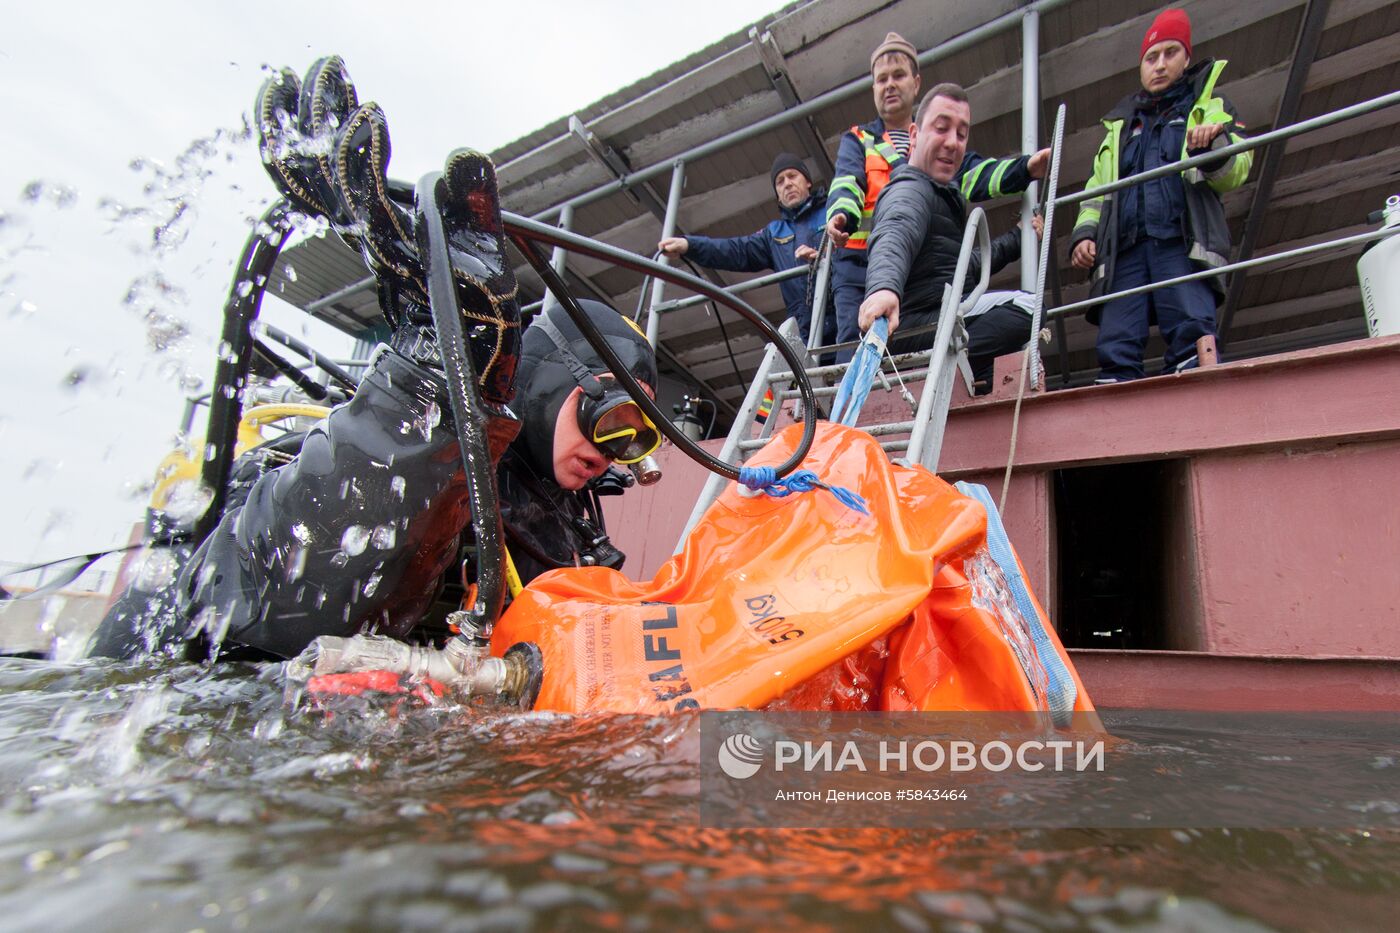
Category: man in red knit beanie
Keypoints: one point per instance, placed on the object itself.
(1166, 227)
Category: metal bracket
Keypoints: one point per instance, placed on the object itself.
(612, 160)
(776, 67)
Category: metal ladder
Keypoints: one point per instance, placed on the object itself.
(947, 355)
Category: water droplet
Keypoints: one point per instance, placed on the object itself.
(78, 375)
(301, 533)
(398, 485)
(296, 563)
(290, 273)
(383, 538)
(430, 419)
(354, 541)
(244, 289)
(372, 584)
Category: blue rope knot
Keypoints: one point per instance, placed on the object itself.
(765, 479)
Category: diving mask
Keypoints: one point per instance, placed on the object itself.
(607, 415)
(617, 426)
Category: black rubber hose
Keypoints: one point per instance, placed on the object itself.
(301, 380)
(236, 357)
(524, 232)
(346, 381)
(482, 495)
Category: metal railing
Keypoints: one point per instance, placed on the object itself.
(1009, 20)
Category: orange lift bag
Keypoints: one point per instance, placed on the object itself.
(769, 592)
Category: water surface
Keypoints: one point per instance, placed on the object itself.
(179, 797)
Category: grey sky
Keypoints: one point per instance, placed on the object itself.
(101, 100)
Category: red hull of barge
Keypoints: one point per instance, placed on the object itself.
(1275, 529)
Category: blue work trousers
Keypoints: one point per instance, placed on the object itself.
(847, 292)
(1183, 313)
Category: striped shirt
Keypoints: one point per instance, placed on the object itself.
(900, 140)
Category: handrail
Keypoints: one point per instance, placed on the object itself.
(1253, 142)
(1354, 240)
(738, 288)
(791, 115)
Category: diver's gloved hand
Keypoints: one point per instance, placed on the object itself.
(329, 156)
(486, 286)
(361, 182)
(298, 124)
(394, 249)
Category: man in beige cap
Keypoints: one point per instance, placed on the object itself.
(866, 156)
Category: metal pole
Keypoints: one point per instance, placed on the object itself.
(1355, 240)
(772, 278)
(815, 105)
(363, 285)
(1047, 256)
(1030, 135)
(558, 259)
(823, 273)
(1254, 142)
(668, 228)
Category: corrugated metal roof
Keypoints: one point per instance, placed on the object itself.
(1328, 182)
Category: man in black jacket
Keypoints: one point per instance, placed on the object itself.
(918, 233)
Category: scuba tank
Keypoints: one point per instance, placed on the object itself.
(687, 420)
(1379, 271)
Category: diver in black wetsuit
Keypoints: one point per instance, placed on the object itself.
(357, 533)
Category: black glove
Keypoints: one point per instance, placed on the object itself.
(297, 134)
(331, 159)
